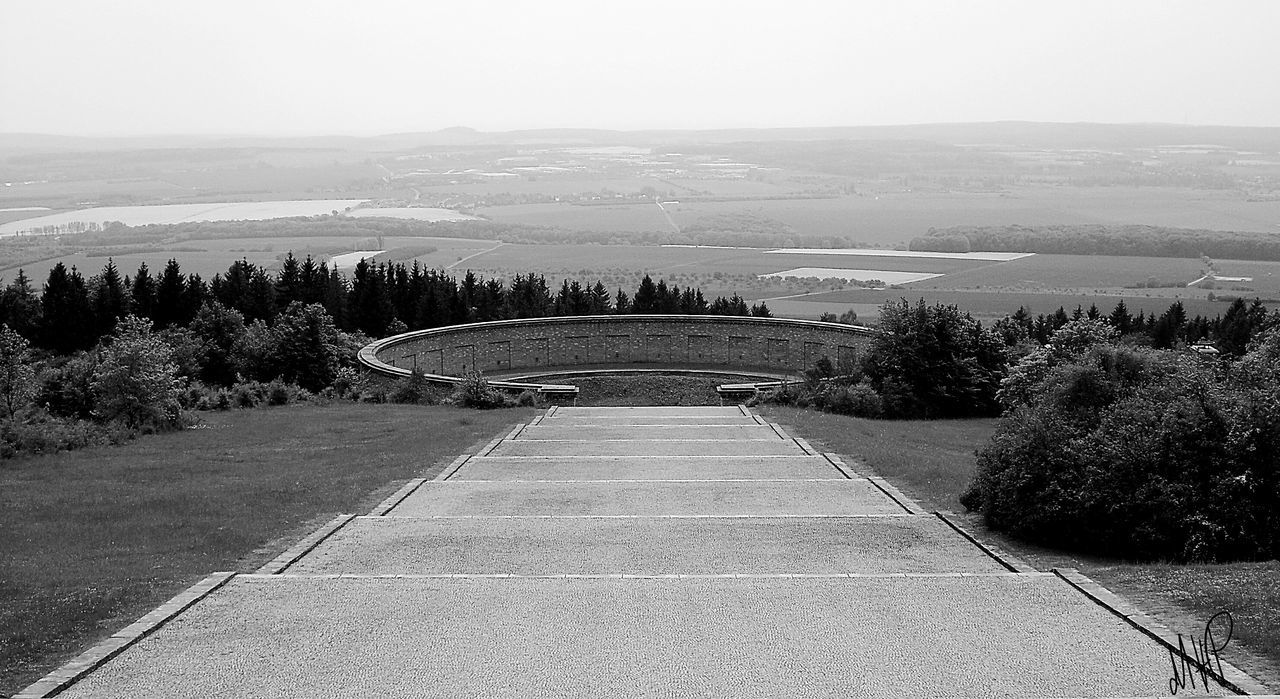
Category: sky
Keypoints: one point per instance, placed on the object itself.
(311, 67)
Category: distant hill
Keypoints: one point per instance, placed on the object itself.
(1011, 133)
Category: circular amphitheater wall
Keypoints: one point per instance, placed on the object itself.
(511, 351)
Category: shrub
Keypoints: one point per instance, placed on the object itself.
(277, 393)
(859, 400)
(43, 433)
(136, 382)
(473, 391)
(1138, 453)
(348, 382)
(17, 378)
(413, 389)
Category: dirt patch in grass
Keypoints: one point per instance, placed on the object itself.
(91, 540)
(933, 462)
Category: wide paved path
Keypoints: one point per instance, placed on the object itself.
(638, 552)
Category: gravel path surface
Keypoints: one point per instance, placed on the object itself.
(490, 468)
(1011, 636)
(465, 590)
(765, 498)
(646, 447)
(645, 546)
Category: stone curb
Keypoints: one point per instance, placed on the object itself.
(896, 495)
(493, 444)
(800, 442)
(62, 678)
(1004, 558)
(397, 497)
(551, 411)
(1236, 679)
(453, 467)
(840, 466)
(744, 410)
(302, 548)
(778, 429)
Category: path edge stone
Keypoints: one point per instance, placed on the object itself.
(1234, 679)
(280, 563)
(60, 679)
(1004, 558)
(397, 497)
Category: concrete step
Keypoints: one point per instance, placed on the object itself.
(736, 498)
(645, 546)
(648, 411)
(609, 432)
(648, 447)
(642, 420)
(1014, 635)
(612, 468)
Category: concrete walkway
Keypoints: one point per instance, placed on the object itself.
(639, 551)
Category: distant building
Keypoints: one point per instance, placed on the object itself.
(1204, 348)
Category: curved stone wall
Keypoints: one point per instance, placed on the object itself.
(769, 346)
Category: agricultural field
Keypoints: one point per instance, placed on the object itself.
(892, 218)
(208, 257)
(983, 305)
(178, 213)
(610, 218)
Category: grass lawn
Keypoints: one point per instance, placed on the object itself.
(92, 540)
(933, 462)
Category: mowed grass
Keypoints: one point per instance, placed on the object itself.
(92, 540)
(933, 462)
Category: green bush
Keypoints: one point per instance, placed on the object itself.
(473, 391)
(39, 432)
(1138, 453)
(413, 389)
(859, 400)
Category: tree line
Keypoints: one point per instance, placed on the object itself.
(1096, 239)
(71, 313)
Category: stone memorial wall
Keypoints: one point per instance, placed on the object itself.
(766, 345)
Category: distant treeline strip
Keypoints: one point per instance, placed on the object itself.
(1125, 241)
(71, 313)
(716, 232)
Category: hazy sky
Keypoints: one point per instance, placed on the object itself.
(320, 66)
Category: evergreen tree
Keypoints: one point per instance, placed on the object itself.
(599, 304)
(195, 294)
(172, 302)
(20, 307)
(1238, 325)
(64, 310)
(622, 303)
(371, 307)
(289, 285)
(646, 298)
(1120, 318)
(1166, 330)
(760, 310)
(143, 292)
(260, 300)
(1093, 313)
(110, 303)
